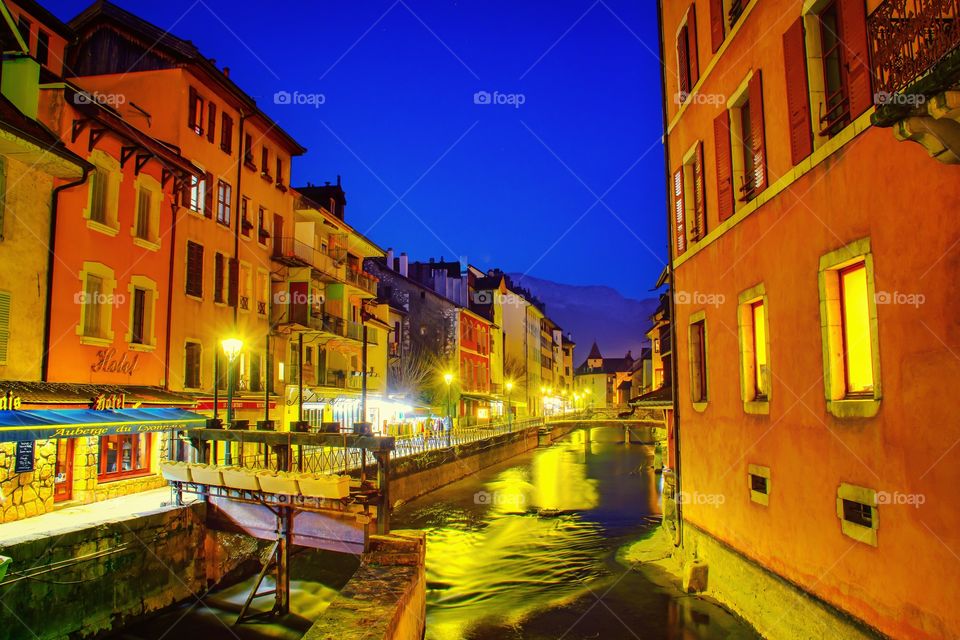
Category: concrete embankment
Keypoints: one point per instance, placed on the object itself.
(385, 599)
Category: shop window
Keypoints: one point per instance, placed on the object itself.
(194, 276)
(124, 456)
(755, 374)
(224, 195)
(4, 325)
(191, 365)
(858, 514)
(849, 325)
(759, 482)
(698, 360)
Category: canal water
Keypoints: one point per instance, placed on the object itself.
(532, 549)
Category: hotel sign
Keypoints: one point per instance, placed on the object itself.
(106, 401)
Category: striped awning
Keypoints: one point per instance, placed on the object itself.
(17, 426)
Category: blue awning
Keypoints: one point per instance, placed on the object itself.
(77, 423)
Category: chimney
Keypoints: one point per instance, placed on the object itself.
(390, 258)
(226, 71)
(339, 184)
(404, 263)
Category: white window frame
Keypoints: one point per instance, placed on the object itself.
(149, 316)
(106, 274)
(748, 393)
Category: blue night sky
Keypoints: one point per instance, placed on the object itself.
(514, 186)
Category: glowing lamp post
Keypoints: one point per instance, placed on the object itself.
(231, 349)
(448, 379)
(509, 408)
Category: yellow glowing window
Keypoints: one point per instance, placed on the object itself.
(759, 348)
(855, 316)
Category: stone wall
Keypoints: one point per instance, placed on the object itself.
(385, 599)
(416, 475)
(30, 494)
(88, 580)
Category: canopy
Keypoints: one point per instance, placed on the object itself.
(76, 423)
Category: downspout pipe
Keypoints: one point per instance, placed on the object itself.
(672, 282)
(174, 210)
(51, 252)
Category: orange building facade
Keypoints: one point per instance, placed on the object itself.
(815, 321)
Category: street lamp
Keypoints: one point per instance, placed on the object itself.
(448, 379)
(509, 408)
(231, 349)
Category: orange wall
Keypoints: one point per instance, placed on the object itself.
(165, 94)
(902, 200)
(76, 243)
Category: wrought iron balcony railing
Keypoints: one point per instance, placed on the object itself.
(292, 252)
(363, 280)
(909, 38)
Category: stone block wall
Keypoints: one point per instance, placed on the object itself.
(77, 583)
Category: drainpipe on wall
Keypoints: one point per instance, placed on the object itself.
(239, 201)
(51, 246)
(672, 285)
(174, 208)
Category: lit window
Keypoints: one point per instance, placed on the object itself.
(855, 317)
(224, 195)
(759, 482)
(121, 456)
(99, 194)
(93, 306)
(851, 357)
(759, 348)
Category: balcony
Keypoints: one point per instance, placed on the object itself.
(294, 253)
(362, 280)
(915, 63)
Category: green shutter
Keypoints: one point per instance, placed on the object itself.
(4, 325)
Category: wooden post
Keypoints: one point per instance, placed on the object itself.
(383, 480)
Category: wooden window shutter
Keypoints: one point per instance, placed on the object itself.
(693, 56)
(798, 96)
(234, 284)
(683, 63)
(699, 193)
(194, 269)
(208, 195)
(721, 143)
(4, 326)
(211, 122)
(192, 117)
(218, 278)
(716, 24)
(756, 134)
(679, 212)
(853, 24)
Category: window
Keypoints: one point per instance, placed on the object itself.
(754, 350)
(279, 175)
(741, 160)
(688, 71)
(142, 228)
(23, 26)
(224, 194)
(836, 113)
(137, 327)
(265, 161)
(43, 47)
(698, 360)
(194, 285)
(198, 189)
(858, 514)
(99, 194)
(256, 375)
(123, 456)
(248, 150)
(146, 225)
(849, 327)
(226, 133)
(855, 318)
(218, 279)
(759, 482)
(4, 326)
(94, 300)
(690, 207)
(211, 122)
(262, 233)
(245, 224)
(195, 113)
(191, 365)
(263, 292)
(246, 286)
